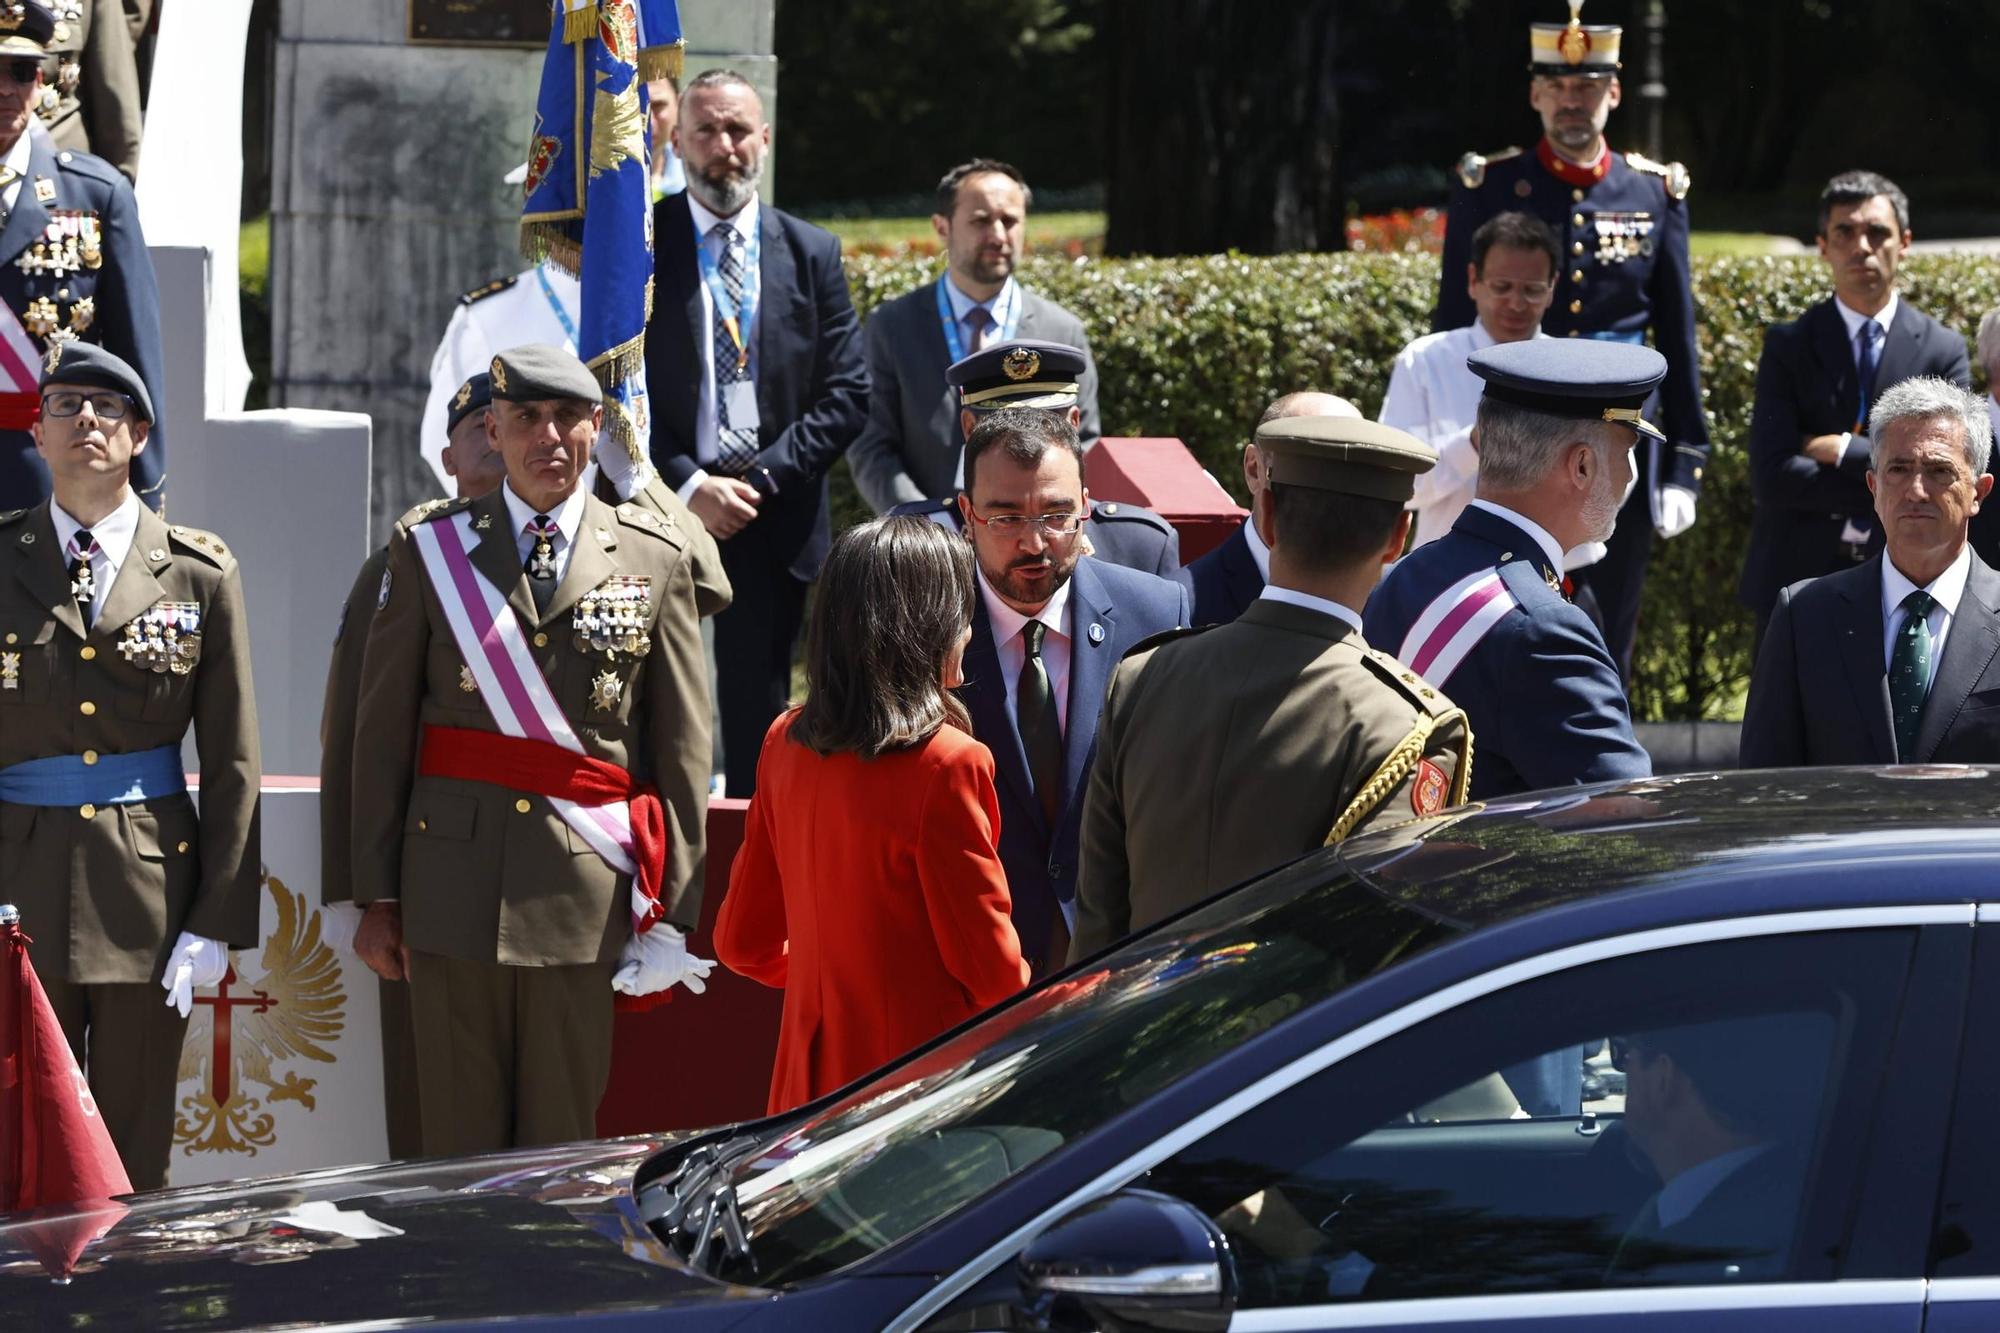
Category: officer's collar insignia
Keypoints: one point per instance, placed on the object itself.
(499, 376)
(464, 396)
(1021, 363)
(45, 190)
(1553, 579)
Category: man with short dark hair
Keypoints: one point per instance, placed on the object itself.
(1481, 612)
(1049, 626)
(1817, 379)
(910, 449)
(1884, 662)
(1233, 749)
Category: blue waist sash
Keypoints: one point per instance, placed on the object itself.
(115, 779)
(1614, 336)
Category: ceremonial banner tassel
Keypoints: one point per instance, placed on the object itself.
(588, 199)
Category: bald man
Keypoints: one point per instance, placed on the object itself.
(1232, 576)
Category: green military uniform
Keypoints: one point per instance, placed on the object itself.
(90, 100)
(712, 592)
(105, 889)
(514, 924)
(1226, 751)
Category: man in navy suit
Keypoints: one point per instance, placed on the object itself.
(1048, 627)
(1480, 613)
(754, 368)
(1816, 381)
(1232, 576)
(1894, 660)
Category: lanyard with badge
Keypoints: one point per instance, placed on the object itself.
(1006, 318)
(741, 399)
(556, 305)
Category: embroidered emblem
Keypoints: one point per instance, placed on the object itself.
(53, 359)
(1021, 363)
(1428, 788)
(465, 680)
(382, 597)
(45, 190)
(463, 397)
(483, 522)
(605, 691)
(499, 373)
(10, 671)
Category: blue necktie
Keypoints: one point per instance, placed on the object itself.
(735, 446)
(1869, 337)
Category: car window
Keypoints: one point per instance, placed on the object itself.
(1727, 1086)
(1967, 1241)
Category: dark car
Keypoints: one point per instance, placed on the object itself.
(1308, 1103)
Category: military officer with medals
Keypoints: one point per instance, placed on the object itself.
(1316, 735)
(530, 772)
(116, 633)
(90, 94)
(1622, 222)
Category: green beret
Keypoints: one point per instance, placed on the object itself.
(1344, 454)
(535, 371)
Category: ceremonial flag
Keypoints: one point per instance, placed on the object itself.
(588, 207)
(54, 1148)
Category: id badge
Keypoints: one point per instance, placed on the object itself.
(740, 400)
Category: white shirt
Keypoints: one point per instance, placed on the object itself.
(1854, 319)
(520, 314)
(1551, 552)
(17, 159)
(113, 535)
(1007, 624)
(705, 222)
(1679, 1197)
(568, 517)
(1946, 589)
(1324, 605)
(1260, 554)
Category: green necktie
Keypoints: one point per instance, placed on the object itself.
(1910, 672)
(1041, 731)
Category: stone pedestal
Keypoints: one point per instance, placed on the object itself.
(387, 201)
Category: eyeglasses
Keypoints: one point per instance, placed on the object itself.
(1019, 525)
(1504, 288)
(107, 406)
(23, 72)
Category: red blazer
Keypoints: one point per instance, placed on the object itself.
(872, 892)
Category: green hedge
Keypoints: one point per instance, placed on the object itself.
(1196, 347)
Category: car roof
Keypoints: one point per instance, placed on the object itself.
(1499, 860)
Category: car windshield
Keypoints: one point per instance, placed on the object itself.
(932, 1134)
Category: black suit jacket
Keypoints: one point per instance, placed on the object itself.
(1225, 580)
(812, 386)
(1807, 385)
(1820, 693)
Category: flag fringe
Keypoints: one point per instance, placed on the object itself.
(580, 22)
(663, 62)
(551, 243)
(615, 365)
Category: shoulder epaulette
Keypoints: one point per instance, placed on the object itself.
(645, 520)
(492, 288)
(11, 516)
(85, 164)
(201, 543)
(1435, 713)
(1152, 641)
(1117, 512)
(1675, 175)
(431, 509)
(1408, 683)
(1472, 167)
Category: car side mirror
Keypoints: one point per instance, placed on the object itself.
(1135, 1260)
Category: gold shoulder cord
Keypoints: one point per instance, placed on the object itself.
(1400, 763)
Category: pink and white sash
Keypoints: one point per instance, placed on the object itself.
(1452, 626)
(490, 639)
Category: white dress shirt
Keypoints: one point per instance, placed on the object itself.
(522, 313)
(113, 535)
(568, 517)
(1003, 302)
(1007, 624)
(1551, 551)
(705, 222)
(1854, 319)
(1946, 589)
(1324, 605)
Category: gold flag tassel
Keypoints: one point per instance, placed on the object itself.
(663, 62)
(547, 242)
(579, 19)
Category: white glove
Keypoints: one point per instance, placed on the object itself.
(195, 961)
(337, 924)
(1676, 511)
(656, 960)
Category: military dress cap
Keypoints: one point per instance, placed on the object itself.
(536, 370)
(86, 365)
(26, 27)
(475, 395)
(1019, 372)
(1574, 47)
(1585, 379)
(1345, 454)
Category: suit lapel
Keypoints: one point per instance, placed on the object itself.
(39, 567)
(777, 276)
(1968, 651)
(498, 555)
(1860, 648)
(29, 217)
(590, 561)
(1901, 350)
(137, 585)
(1093, 651)
(683, 279)
(1835, 355)
(984, 696)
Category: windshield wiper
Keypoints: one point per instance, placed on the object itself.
(693, 1207)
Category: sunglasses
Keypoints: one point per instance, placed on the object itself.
(24, 72)
(1622, 1051)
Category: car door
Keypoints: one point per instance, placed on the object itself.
(1964, 1295)
(1720, 1183)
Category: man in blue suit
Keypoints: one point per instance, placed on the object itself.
(1048, 627)
(754, 368)
(1482, 614)
(1232, 576)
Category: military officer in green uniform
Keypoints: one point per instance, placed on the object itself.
(1314, 736)
(531, 746)
(90, 94)
(117, 632)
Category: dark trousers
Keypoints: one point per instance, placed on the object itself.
(400, 1105)
(24, 478)
(754, 642)
(129, 1044)
(1617, 580)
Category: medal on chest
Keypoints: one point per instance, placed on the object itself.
(1623, 236)
(164, 637)
(613, 617)
(10, 671)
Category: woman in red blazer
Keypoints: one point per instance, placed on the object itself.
(869, 884)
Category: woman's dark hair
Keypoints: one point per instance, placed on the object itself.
(893, 599)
